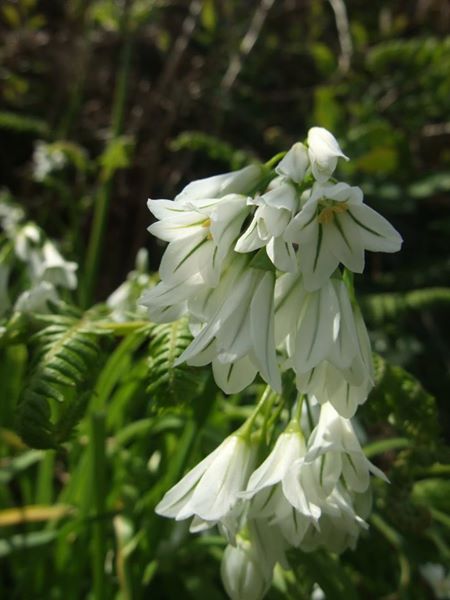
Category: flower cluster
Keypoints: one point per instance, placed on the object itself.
(42, 270)
(260, 263)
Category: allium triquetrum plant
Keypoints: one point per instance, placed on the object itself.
(260, 261)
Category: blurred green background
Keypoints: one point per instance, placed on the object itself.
(122, 100)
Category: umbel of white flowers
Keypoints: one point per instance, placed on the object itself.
(259, 262)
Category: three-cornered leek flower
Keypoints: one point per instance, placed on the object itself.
(336, 451)
(210, 491)
(334, 226)
(271, 495)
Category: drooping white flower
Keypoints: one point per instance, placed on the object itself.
(270, 493)
(236, 322)
(244, 576)
(334, 226)
(324, 151)
(274, 211)
(211, 489)
(339, 525)
(36, 299)
(242, 181)
(335, 451)
(200, 234)
(47, 264)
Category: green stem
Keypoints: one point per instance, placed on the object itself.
(275, 160)
(102, 201)
(98, 443)
(246, 429)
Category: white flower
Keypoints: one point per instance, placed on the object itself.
(46, 159)
(335, 451)
(211, 489)
(335, 226)
(27, 240)
(324, 152)
(274, 211)
(37, 298)
(47, 264)
(295, 163)
(244, 576)
(438, 579)
(339, 524)
(201, 233)
(271, 493)
(236, 322)
(235, 182)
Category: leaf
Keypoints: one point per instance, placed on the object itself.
(33, 514)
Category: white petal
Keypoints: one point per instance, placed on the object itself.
(282, 255)
(294, 163)
(262, 331)
(232, 378)
(376, 232)
(344, 241)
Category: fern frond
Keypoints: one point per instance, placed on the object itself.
(170, 384)
(66, 352)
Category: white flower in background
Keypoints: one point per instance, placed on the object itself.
(211, 489)
(324, 152)
(334, 226)
(47, 264)
(27, 240)
(270, 492)
(235, 182)
(46, 160)
(123, 302)
(335, 451)
(438, 578)
(36, 299)
(236, 328)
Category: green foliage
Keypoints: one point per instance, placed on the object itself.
(171, 385)
(55, 396)
(212, 147)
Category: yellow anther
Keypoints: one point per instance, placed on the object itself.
(206, 223)
(327, 214)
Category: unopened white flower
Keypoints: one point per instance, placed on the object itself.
(335, 451)
(244, 576)
(235, 182)
(334, 226)
(295, 163)
(27, 240)
(211, 489)
(324, 151)
(270, 491)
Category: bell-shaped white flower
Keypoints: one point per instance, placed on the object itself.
(270, 492)
(274, 211)
(335, 451)
(47, 264)
(237, 322)
(294, 164)
(211, 489)
(339, 525)
(324, 151)
(200, 234)
(334, 226)
(36, 299)
(235, 182)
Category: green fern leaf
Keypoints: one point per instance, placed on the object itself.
(54, 399)
(171, 385)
